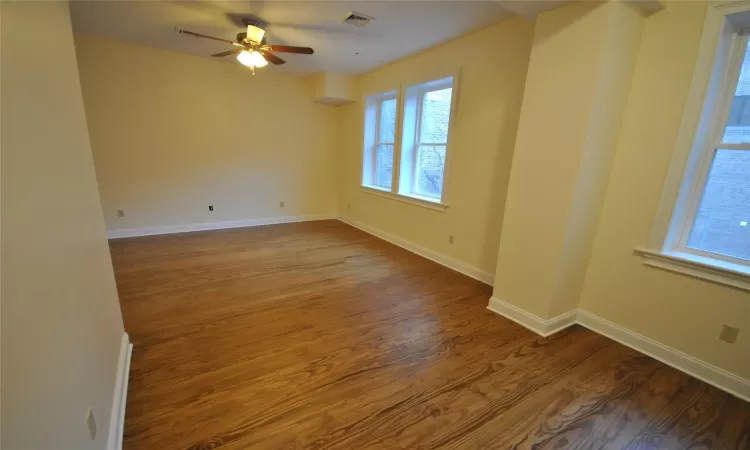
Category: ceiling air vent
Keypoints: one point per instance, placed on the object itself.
(358, 19)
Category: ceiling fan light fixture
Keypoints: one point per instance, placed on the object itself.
(255, 34)
(252, 59)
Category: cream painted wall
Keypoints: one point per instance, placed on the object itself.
(582, 57)
(61, 322)
(332, 88)
(678, 311)
(493, 64)
(621, 42)
(173, 133)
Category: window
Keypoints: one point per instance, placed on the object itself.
(708, 233)
(720, 226)
(716, 219)
(426, 113)
(380, 141)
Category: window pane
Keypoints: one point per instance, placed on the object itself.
(387, 121)
(738, 124)
(384, 165)
(430, 168)
(722, 224)
(436, 112)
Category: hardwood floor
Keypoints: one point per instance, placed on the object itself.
(319, 336)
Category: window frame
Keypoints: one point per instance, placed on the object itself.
(403, 154)
(422, 90)
(372, 140)
(712, 90)
(697, 182)
(388, 96)
(402, 186)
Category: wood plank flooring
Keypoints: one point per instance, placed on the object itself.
(319, 336)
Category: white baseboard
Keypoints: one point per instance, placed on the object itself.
(543, 327)
(169, 229)
(117, 418)
(458, 266)
(715, 376)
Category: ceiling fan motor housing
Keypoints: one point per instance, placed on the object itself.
(255, 30)
(242, 39)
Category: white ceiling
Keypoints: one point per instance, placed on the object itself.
(402, 27)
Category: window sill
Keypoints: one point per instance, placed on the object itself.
(722, 272)
(436, 206)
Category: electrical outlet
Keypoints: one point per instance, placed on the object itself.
(210, 207)
(120, 213)
(450, 238)
(729, 334)
(281, 204)
(349, 206)
(91, 423)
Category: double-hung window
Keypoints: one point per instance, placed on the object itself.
(708, 234)
(717, 215)
(415, 167)
(380, 141)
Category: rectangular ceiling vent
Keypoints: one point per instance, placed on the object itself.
(358, 19)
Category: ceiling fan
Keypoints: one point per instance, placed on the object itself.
(251, 48)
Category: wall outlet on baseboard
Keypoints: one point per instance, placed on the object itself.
(281, 204)
(450, 238)
(91, 423)
(210, 207)
(729, 334)
(120, 213)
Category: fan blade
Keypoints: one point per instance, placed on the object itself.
(270, 57)
(290, 49)
(227, 53)
(191, 33)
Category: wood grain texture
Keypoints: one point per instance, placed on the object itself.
(319, 336)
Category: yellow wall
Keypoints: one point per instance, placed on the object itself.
(581, 63)
(331, 88)
(620, 51)
(61, 323)
(173, 133)
(493, 65)
(678, 311)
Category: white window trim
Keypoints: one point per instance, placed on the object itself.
(420, 94)
(690, 162)
(695, 266)
(416, 201)
(377, 143)
(371, 144)
(394, 193)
